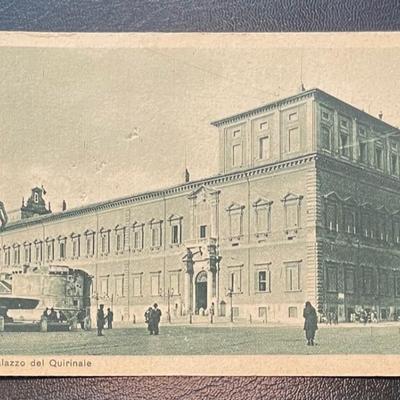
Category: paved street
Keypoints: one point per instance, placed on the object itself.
(187, 340)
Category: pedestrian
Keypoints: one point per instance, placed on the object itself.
(100, 320)
(310, 323)
(45, 313)
(147, 320)
(155, 317)
(53, 315)
(110, 318)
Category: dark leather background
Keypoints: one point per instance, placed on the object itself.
(198, 15)
(174, 388)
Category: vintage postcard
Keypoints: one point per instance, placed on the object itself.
(213, 204)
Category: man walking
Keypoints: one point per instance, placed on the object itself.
(110, 318)
(155, 317)
(100, 320)
(310, 323)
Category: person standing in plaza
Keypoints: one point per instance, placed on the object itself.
(110, 318)
(147, 320)
(155, 317)
(310, 323)
(100, 320)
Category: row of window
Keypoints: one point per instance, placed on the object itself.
(367, 150)
(263, 140)
(262, 278)
(345, 215)
(33, 252)
(262, 282)
(369, 281)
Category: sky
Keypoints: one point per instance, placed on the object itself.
(91, 124)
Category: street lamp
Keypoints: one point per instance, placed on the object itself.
(230, 295)
(170, 293)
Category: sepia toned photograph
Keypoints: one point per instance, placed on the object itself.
(178, 196)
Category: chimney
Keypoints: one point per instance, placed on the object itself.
(64, 205)
(380, 115)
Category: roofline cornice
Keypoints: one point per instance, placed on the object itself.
(159, 194)
(264, 108)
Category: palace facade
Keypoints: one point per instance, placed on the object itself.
(305, 207)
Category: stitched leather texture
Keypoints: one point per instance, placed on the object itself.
(195, 16)
(190, 388)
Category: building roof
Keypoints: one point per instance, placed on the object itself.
(298, 97)
(188, 187)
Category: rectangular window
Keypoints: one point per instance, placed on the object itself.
(62, 249)
(137, 285)
(176, 233)
(344, 124)
(104, 286)
(174, 283)
(119, 286)
(379, 157)
(105, 242)
(344, 145)
(76, 247)
(89, 245)
(325, 138)
(331, 277)
(396, 231)
(262, 312)
(235, 223)
(263, 148)
(394, 164)
(293, 140)
(368, 280)
(349, 280)
(155, 284)
(235, 281)
(138, 238)
(203, 231)
(293, 116)
(263, 281)
(263, 126)
(383, 282)
(50, 250)
(16, 255)
(237, 155)
(397, 284)
(235, 311)
(292, 312)
(292, 220)
(28, 253)
(263, 219)
(363, 152)
(38, 252)
(292, 277)
(350, 221)
(156, 238)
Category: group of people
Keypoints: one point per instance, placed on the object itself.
(152, 318)
(52, 315)
(103, 318)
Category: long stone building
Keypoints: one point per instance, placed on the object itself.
(304, 207)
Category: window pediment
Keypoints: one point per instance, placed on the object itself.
(333, 196)
(204, 192)
(174, 217)
(291, 197)
(262, 202)
(155, 221)
(383, 210)
(349, 201)
(235, 207)
(89, 232)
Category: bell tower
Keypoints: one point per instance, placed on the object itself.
(35, 205)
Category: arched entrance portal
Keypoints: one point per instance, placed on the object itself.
(201, 291)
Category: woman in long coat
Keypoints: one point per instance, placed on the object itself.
(310, 323)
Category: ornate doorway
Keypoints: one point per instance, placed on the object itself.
(201, 291)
